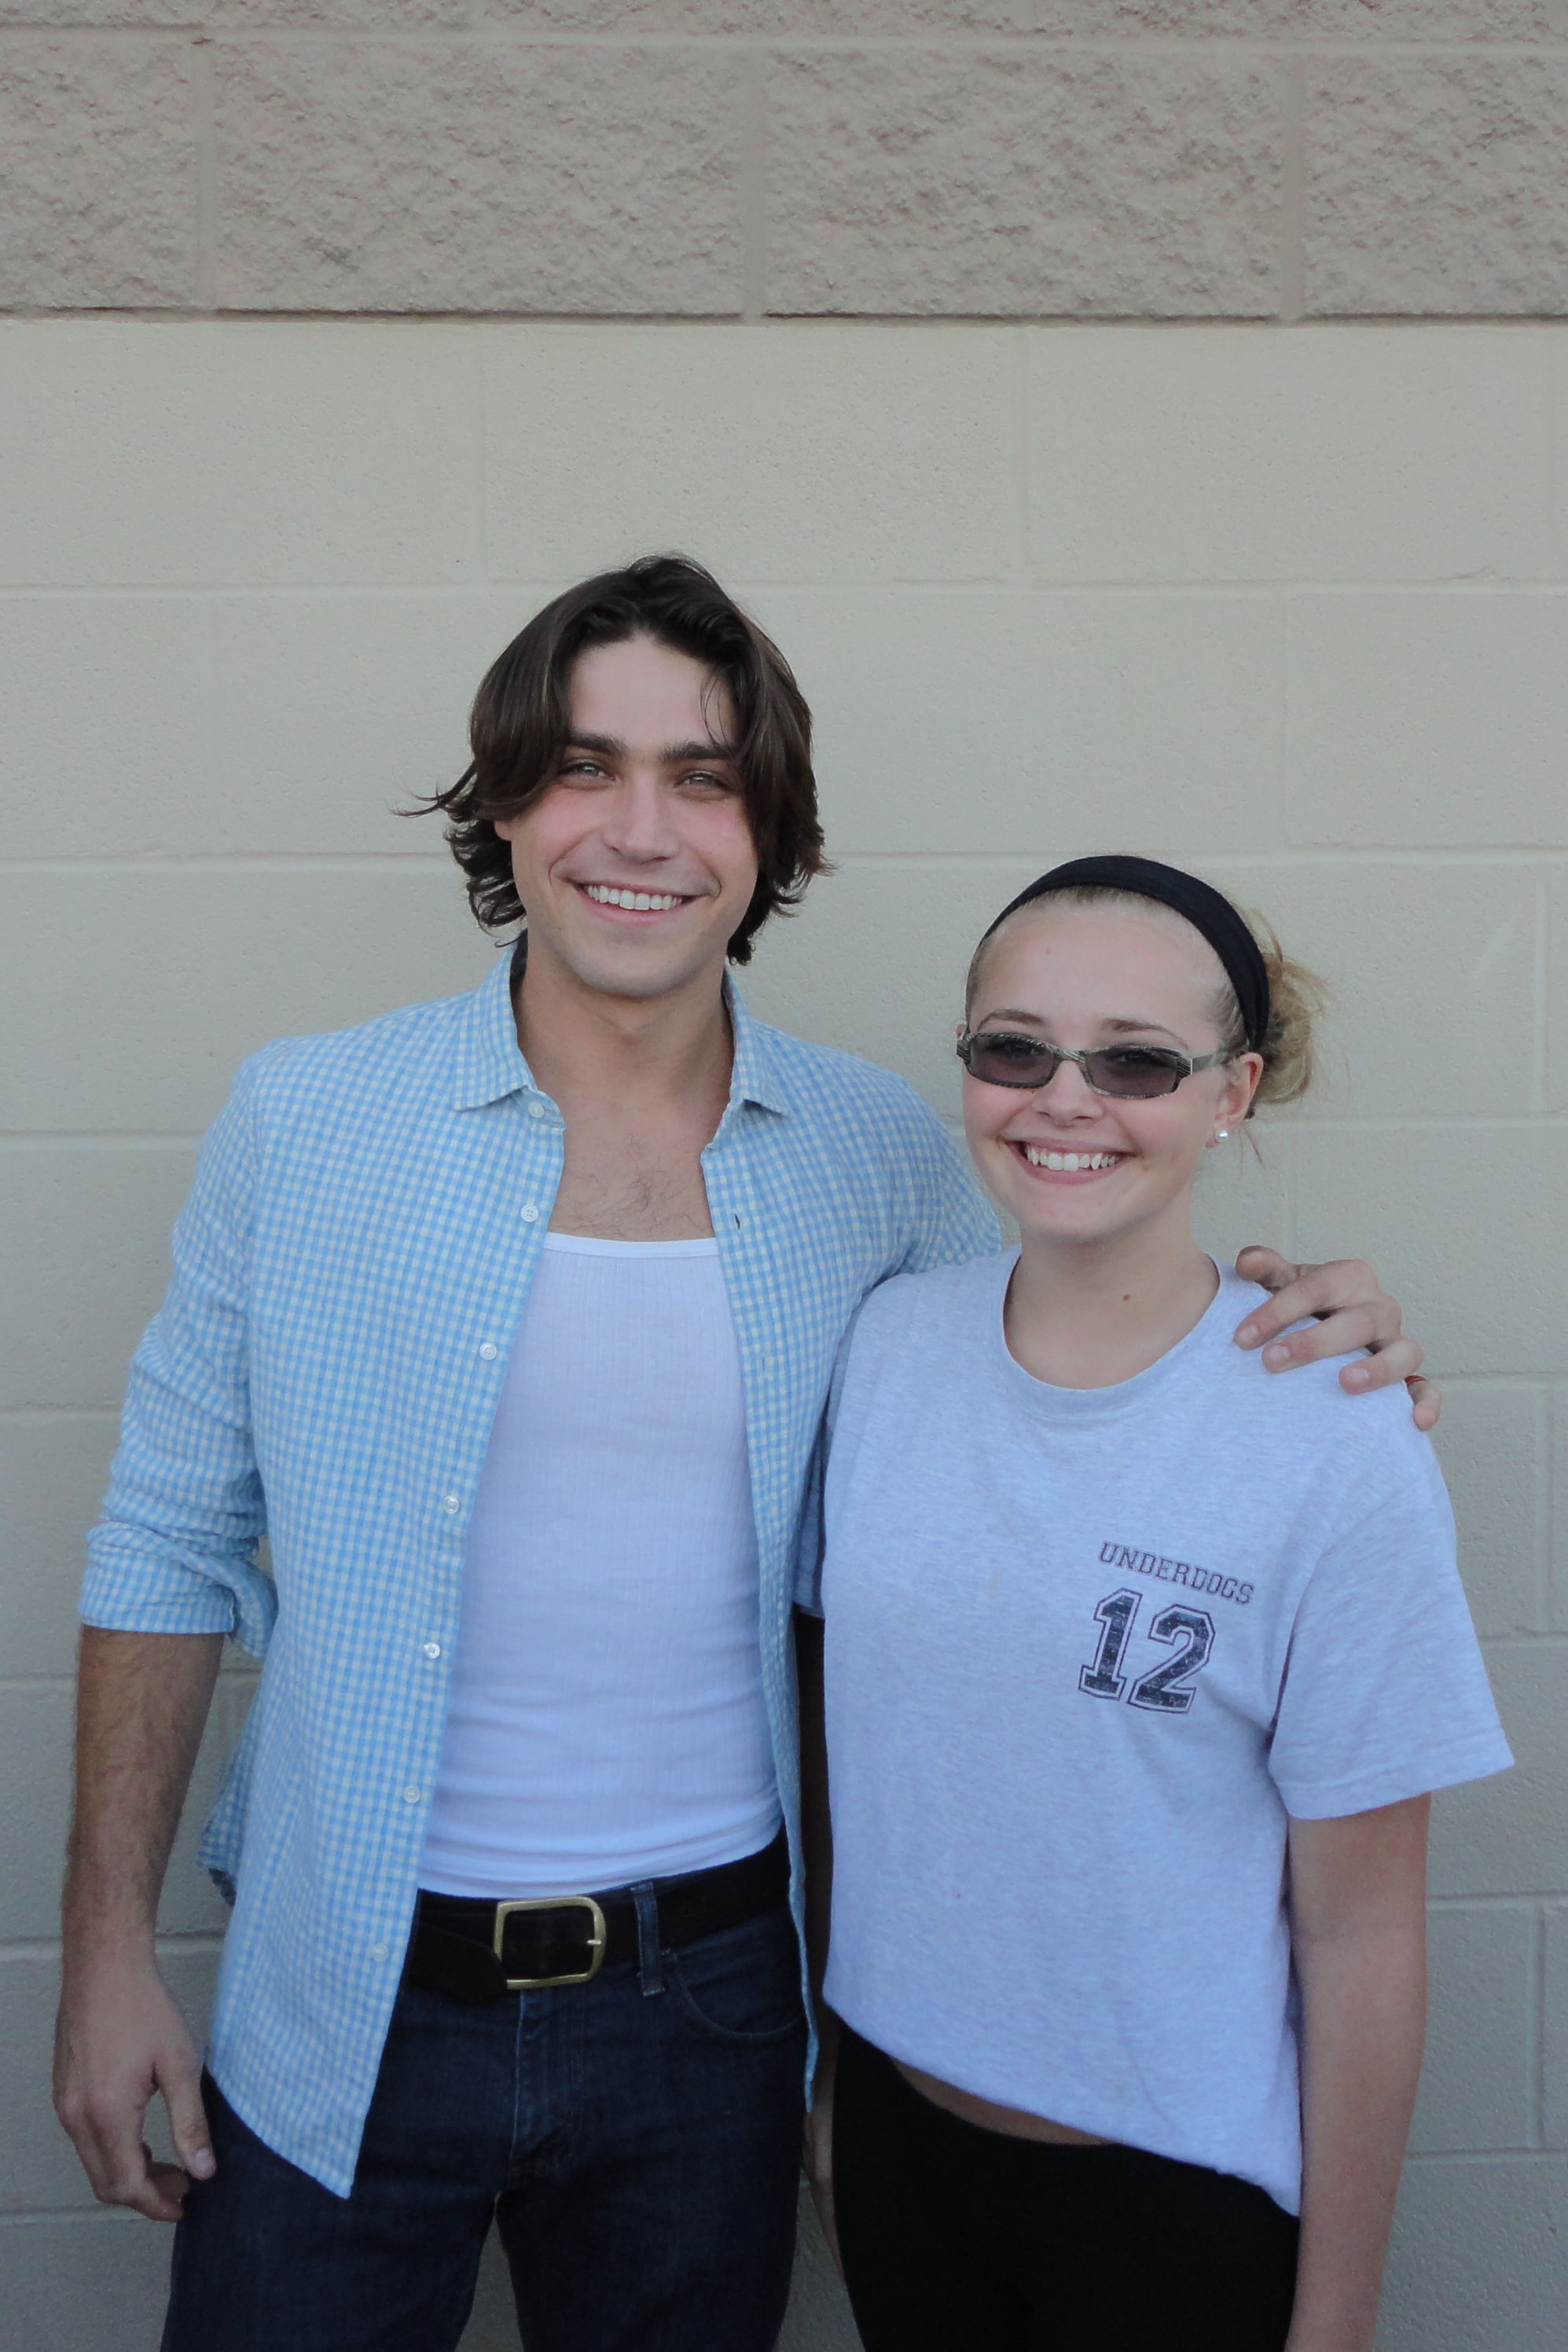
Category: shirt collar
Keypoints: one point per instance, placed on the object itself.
(489, 1062)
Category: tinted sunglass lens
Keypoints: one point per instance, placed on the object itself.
(1002, 1061)
(1138, 1073)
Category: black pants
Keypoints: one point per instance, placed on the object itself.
(954, 2237)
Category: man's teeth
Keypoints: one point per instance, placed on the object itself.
(1069, 1162)
(641, 902)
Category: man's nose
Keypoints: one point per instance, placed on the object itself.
(638, 821)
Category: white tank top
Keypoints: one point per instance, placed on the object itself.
(606, 1721)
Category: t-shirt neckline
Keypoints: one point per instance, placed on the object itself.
(591, 1245)
(1050, 1402)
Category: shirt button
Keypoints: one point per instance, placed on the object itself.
(489, 1352)
(378, 1951)
(449, 1502)
(530, 1216)
(410, 1794)
(433, 1649)
(536, 1110)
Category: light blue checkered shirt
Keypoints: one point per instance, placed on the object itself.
(349, 1274)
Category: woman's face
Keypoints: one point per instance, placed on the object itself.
(1070, 1164)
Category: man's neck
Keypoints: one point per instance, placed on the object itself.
(587, 1048)
(642, 1083)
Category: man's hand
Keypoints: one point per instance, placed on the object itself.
(1352, 1312)
(121, 2038)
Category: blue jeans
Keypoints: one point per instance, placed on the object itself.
(636, 2138)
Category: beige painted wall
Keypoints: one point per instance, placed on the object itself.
(1290, 604)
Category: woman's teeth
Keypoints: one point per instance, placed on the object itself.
(1069, 1163)
(641, 902)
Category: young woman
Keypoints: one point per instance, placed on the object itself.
(1137, 1677)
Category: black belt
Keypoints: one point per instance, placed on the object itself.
(477, 1950)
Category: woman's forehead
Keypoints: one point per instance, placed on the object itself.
(1097, 946)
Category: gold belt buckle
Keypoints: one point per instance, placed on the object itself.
(553, 1903)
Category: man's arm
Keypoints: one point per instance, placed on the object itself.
(142, 1704)
(1351, 1310)
(1358, 1935)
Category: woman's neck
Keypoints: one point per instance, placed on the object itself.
(1085, 1316)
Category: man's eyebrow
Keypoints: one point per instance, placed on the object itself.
(671, 755)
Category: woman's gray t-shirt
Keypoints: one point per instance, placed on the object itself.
(1087, 1649)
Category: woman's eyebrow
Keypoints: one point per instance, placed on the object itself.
(1122, 1027)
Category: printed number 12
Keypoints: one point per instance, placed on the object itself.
(1164, 1690)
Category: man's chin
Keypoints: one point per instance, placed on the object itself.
(639, 975)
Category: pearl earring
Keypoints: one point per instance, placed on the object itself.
(1222, 1135)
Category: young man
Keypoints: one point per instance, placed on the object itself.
(510, 1320)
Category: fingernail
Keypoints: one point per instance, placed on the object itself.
(1246, 1334)
(1357, 1376)
(202, 2164)
(1275, 1354)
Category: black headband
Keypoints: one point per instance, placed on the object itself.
(1205, 909)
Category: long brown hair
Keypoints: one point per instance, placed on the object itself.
(521, 717)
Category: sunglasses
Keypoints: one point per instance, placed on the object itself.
(1000, 1058)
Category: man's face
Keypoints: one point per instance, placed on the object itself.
(636, 864)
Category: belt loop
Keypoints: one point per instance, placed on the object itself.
(650, 1959)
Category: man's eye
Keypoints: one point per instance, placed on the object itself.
(704, 780)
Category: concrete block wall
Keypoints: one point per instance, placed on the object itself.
(1290, 604)
(976, 158)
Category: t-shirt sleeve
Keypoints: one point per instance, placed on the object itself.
(1384, 1693)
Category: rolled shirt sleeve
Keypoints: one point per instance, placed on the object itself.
(176, 1549)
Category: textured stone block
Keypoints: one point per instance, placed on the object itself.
(1476, 2082)
(810, 453)
(1151, 721)
(1010, 182)
(52, 1473)
(773, 19)
(242, 16)
(1426, 720)
(97, 174)
(239, 455)
(1555, 2118)
(90, 1261)
(1479, 2258)
(1438, 956)
(467, 176)
(1494, 1449)
(1478, 1264)
(1253, 453)
(1436, 183)
(221, 964)
(1509, 1835)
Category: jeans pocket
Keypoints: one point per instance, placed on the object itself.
(743, 1986)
